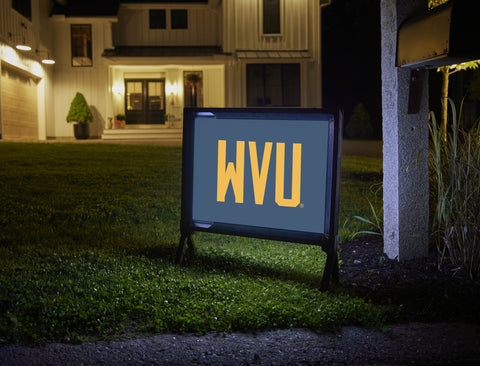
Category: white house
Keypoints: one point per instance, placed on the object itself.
(147, 60)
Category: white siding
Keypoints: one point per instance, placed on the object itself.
(92, 81)
(133, 29)
(36, 31)
(93, 85)
(242, 23)
(61, 30)
(214, 87)
(301, 25)
(37, 34)
(235, 25)
(11, 29)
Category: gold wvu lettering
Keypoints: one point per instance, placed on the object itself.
(224, 176)
(235, 173)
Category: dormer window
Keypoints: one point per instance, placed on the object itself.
(271, 16)
(168, 19)
(81, 39)
(158, 19)
(179, 19)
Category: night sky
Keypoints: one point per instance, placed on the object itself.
(351, 58)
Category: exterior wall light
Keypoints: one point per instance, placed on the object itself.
(47, 60)
(20, 45)
(118, 89)
(172, 89)
(23, 47)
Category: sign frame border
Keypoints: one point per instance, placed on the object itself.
(327, 240)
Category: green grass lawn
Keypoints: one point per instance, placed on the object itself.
(88, 234)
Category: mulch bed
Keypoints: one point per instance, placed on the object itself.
(425, 292)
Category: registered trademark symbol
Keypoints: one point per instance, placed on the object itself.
(301, 205)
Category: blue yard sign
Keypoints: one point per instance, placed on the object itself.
(267, 173)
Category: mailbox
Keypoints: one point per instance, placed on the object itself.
(446, 35)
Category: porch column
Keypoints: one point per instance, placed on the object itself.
(405, 137)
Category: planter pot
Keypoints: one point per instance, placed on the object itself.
(81, 131)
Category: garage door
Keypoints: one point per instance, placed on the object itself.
(18, 105)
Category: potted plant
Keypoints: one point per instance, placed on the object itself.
(120, 120)
(81, 116)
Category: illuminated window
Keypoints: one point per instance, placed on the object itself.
(81, 45)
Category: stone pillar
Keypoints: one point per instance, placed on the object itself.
(405, 144)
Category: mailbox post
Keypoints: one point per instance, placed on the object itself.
(405, 191)
(410, 45)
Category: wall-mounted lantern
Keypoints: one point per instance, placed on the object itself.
(118, 89)
(20, 42)
(172, 88)
(45, 57)
(446, 35)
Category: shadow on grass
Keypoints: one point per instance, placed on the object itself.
(224, 263)
(217, 263)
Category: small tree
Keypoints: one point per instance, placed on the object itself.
(79, 110)
(446, 72)
(434, 3)
(359, 125)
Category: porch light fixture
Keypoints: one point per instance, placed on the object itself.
(118, 89)
(172, 89)
(46, 60)
(22, 44)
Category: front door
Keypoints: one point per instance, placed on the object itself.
(145, 101)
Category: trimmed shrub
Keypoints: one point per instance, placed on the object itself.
(79, 110)
(359, 125)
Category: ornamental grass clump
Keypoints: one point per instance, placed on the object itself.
(455, 184)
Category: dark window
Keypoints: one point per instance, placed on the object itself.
(81, 45)
(271, 17)
(158, 19)
(24, 7)
(179, 19)
(273, 85)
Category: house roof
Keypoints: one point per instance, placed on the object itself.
(85, 8)
(92, 8)
(165, 1)
(158, 51)
(274, 54)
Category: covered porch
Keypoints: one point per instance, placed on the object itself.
(148, 91)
